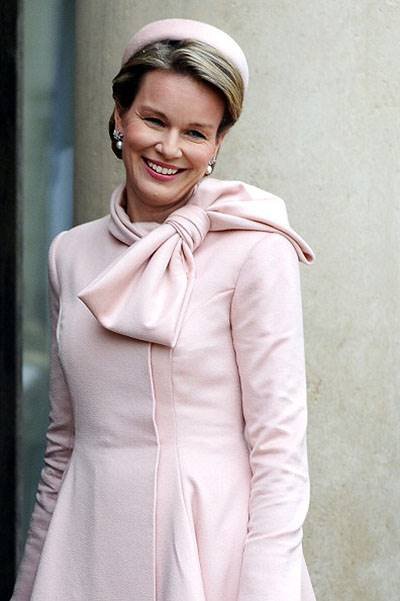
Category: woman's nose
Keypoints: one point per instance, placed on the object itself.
(169, 145)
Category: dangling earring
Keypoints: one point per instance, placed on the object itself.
(117, 135)
(210, 166)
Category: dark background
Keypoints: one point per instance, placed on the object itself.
(9, 292)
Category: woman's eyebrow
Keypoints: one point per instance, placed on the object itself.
(151, 109)
(201, 125)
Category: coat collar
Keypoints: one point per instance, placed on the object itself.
(145, 291)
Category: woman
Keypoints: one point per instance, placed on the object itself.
(176, 462)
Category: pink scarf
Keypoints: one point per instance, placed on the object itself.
(145, 291)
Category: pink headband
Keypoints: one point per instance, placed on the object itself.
(182, 29)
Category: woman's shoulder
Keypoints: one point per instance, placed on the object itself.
(259, 248)
(82, 234)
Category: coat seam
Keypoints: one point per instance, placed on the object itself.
(179, 464)
(155, 488)
(246, 259)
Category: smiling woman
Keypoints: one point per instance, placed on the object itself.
(176, 461)
(162, 144)
(175, 100)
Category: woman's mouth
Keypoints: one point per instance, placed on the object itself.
(160, 171)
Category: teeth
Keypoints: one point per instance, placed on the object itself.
(162, 170)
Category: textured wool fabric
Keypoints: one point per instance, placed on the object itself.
(175, 470)
(184, 29)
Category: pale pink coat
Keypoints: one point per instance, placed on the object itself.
(176, 463)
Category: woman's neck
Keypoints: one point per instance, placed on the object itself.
(138, 211)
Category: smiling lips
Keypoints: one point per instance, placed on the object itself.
(161, 171)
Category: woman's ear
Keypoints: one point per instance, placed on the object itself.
(221, 137)
(117, 118)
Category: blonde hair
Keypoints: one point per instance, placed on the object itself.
(190, 57)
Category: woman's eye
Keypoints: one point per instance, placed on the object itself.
(196, 134)
(154, 120)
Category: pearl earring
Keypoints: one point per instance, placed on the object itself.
(210, 166)
(117, 135)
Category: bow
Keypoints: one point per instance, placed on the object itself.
(145, 291)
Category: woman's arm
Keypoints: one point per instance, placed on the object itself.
(59, 444)
(267, 330)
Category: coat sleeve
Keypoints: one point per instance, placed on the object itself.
(267, 331)
(59, 445)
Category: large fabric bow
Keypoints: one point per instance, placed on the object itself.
(145, 291)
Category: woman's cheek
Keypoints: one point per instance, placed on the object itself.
(140, 137)
(200, 155)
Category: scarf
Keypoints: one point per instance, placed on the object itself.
(145, 291)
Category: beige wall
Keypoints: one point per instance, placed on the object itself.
(321, 129)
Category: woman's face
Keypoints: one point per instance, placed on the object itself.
(170, 135)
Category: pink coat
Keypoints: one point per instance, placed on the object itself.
(176, 461)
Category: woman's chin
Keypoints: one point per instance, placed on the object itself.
(164, 192)
(161, 197)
